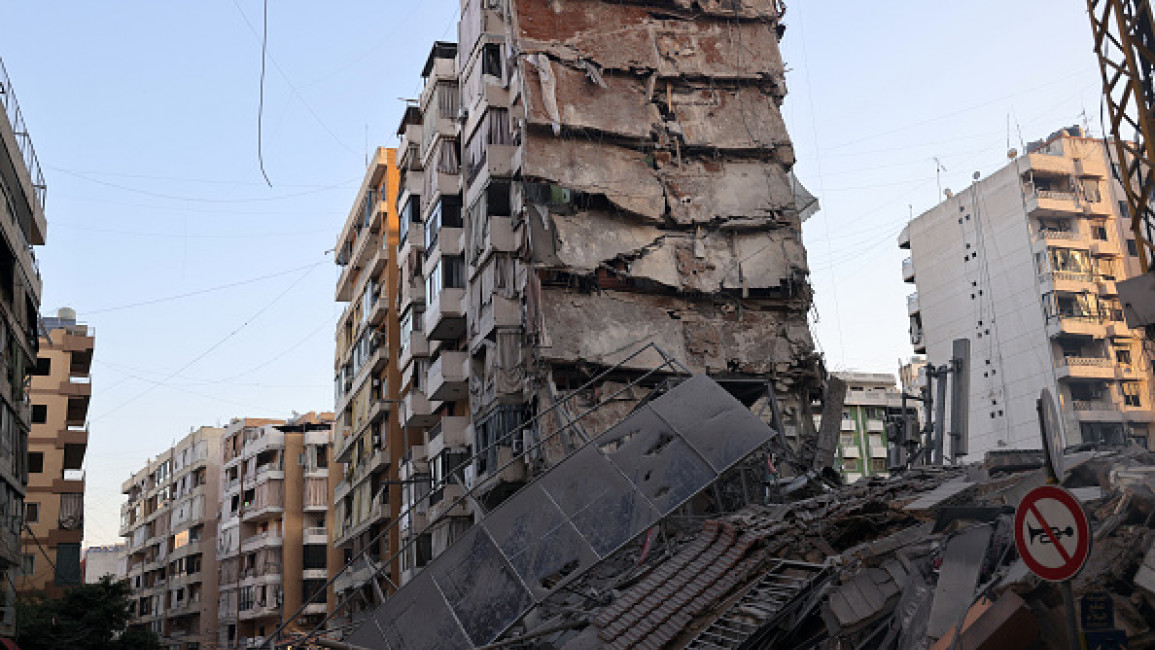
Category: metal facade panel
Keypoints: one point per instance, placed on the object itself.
(582, 510)
(483, 590)
(603, 505)
(712, 421)
(540, 541)
(393, 626)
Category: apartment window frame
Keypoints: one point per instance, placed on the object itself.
(43, 367)
(31, 512)
(39, 413)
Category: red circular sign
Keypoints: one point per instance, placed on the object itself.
(1051, 533)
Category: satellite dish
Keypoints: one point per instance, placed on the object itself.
(1012, 153)
(949, 194)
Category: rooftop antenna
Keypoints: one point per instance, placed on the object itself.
(939, 168)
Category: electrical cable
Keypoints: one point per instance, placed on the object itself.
(213, 347)
(261, 101)
(198, 292)
(197, 199)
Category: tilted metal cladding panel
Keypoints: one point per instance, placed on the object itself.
(584, 509)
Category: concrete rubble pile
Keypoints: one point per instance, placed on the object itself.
(901, 562)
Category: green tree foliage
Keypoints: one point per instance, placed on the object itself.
(86, 617)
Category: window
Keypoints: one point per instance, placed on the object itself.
(1130, 391)
(447, 214)
(1099, 232)
(314, 556)
(850, 465)
(67, 564)
(31, 512)
(43, 367)
(35, 462)
(410, 213)
(1123, 357)
(1132, 249)
(28, 564)
(39, 413)
(1124, 210)
(491, 59)
(877, 465)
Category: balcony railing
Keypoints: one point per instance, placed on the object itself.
(23, 140)
(1092, 405)
(1099, 362)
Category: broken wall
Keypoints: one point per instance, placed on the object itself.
(656, 188)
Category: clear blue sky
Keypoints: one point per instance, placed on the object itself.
(144, 117)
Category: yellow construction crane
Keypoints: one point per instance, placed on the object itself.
(1124, 32)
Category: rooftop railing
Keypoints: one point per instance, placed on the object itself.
(23, 140)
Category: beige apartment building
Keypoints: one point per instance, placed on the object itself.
(272, 540)
(1024, 264)
(60, 391)
(22, 227)
(366, 434)
(169, 524)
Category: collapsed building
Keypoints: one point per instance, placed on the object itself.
(570, 195)
(591, 199)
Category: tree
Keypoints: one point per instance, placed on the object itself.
(87, 617)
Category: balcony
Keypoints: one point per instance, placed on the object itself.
(1051, 164)
(315, 535)
(414, 242)
(1085, 368)
(261, 540)
(263, 512)
(904, 238)
(908, 270)
(418, 347)
(1044, 236)
(497, 161)
(449, 377)
(875, 426)
(445, 315)
(439, 243)
(379, 308)
(497, 313)
(442, 503)
(452, 432)
(848, 425)
(1096, 410)
(1075, 326)
(1067, 281)
(1051, 201)
(412, 293)
(416, 411)
(912, 304)
(409, 148)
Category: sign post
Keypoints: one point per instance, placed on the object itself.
(1051, 530)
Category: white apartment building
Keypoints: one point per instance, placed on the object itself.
(169, 523)
(1023, 263)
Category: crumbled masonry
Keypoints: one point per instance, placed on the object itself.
(900, 562)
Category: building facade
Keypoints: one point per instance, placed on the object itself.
(366, 434)
(1024, 264)
(22, 227)
(570, 205)
(54, 503)
(872, 400)
(169, 522)
(272, 539)
(100, 561)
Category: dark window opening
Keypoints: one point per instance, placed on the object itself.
(43, 367)
(39, 413)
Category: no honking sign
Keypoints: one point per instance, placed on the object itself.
(1051, 533)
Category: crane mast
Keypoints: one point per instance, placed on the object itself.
(1124, 36)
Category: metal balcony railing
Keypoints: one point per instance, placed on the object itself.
(23, 140)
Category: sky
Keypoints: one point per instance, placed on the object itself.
(211, 293)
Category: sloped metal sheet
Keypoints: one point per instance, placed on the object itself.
(581, 511)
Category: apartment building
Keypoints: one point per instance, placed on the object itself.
(366, 434)
(872, 399)
(567, 199)
(1023, 263)
(22, 227)
(54, 503)
(169, 523)
(106, 560)
(271, 542)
